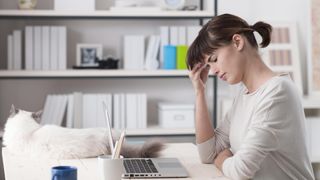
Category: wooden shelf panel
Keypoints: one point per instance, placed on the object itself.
(105, 14)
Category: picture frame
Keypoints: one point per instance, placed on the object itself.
(282, 55)
(86, 54)
(314, 50)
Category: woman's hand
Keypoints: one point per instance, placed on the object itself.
(223, 155)
(198, 76)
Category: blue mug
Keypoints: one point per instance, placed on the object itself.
(64, 173)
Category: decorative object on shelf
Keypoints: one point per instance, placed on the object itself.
(176, 115)
(314, 52)
(173, 4)
(87, 53)
(86, 5)
(282, 55)
(108, 63)
(27, 4)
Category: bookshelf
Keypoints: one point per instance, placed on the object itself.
(53, 77)
(92, 73)
(103, 14)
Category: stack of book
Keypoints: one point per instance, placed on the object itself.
(78, 110)
(45, 48)
(168, 50)
(175, 41)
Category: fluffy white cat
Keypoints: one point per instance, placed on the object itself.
(24, 135)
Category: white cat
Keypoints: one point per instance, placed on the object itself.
(24, 135)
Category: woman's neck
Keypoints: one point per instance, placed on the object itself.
(256, 74)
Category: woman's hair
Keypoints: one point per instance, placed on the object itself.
(219, 31)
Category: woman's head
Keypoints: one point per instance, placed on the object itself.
(223, 42)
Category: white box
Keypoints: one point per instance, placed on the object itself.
(87, 5)
(176, 115)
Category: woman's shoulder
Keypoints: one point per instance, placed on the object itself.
(280, 83)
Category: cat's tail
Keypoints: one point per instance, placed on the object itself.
(149, 149)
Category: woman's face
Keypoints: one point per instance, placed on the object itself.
(227, 63)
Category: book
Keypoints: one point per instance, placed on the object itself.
(181, 56)
(151, 61)
(46, 110)
(29, 48)
(62, 48)
(131, 111)
(62, 104)
(134, 48)
(173, 35)
(182, 35)
(45, 33)
(17, 46)
(10, 52)
(37, 51)
(164, 40)
(77, 113)
(169, 57)
(89, 107)
(54, 48)
(70, 113)
(192, 33)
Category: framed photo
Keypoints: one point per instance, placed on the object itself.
(87, 53)
(314, 50)
(282, 55)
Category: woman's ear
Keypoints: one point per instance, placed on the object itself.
(238, 41)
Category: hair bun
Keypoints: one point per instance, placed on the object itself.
(264, 29)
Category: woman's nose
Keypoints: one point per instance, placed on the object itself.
(215, 70)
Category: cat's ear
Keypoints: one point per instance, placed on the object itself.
(13, 111)
(37, 116)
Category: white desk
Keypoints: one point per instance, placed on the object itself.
(40, 169)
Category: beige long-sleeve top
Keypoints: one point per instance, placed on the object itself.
(265, 130)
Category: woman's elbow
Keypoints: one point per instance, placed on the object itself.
(206, 159)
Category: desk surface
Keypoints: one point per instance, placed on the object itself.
(38, 169)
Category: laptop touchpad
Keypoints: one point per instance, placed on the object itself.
(169, 165)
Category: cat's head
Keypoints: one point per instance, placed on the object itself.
(14, 112)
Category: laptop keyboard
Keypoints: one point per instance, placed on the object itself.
(139, 166)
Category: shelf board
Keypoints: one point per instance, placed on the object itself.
(310, 102)
(315, 159)
(91, 73)
(151, 131)
(105, 14)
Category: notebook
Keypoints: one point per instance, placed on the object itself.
(146, 167)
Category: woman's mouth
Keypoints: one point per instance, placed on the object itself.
(223, 76)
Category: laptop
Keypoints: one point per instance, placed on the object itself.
(146, 167)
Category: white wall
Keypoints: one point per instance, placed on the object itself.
(274, 10)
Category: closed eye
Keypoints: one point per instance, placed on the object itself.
(213, 59)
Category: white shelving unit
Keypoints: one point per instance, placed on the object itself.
(198, 15)
(309, 102)
(105, 14)
(94, 73)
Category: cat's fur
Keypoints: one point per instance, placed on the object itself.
(24, 135)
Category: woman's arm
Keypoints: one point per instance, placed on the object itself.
(209, 141)
(204, 128)
(198, 76)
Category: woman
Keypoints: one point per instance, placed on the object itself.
(263, 134)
